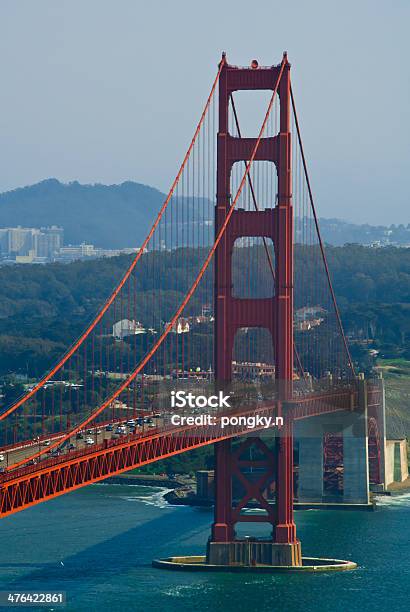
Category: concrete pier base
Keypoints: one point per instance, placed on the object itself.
(250, 552)
(199, 564)
(309, 433)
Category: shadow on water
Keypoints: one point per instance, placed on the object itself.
(48, 546)
(156, 532)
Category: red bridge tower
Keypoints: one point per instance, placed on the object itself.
(274, 314)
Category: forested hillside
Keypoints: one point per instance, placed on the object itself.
(44, 308)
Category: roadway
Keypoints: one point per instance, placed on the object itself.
(97, 434)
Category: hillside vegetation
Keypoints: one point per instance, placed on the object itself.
(396, 373)
(44, 308)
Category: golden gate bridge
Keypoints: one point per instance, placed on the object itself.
(238, 229)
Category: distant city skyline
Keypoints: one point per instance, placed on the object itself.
(41, 245)
(104, 92)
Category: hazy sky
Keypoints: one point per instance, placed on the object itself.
(110, 90)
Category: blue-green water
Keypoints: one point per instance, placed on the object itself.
(97, 545)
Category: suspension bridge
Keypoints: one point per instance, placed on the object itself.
(230, 290)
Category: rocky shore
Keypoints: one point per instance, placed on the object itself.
(183, 487)
(185, 496)
(154, 480)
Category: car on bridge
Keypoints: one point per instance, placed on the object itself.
(121, 429)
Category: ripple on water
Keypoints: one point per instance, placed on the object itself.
(394, 501)
(149, 496)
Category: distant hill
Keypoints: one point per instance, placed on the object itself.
(338, 233)
(118, 216)
(109, 216)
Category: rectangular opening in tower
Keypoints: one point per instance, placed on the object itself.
(253, 266)
(250, 107)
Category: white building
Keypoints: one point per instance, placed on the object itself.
(126, 327)
(308, 313)
(180, 327)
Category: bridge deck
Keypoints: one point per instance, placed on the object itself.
(29, 485)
